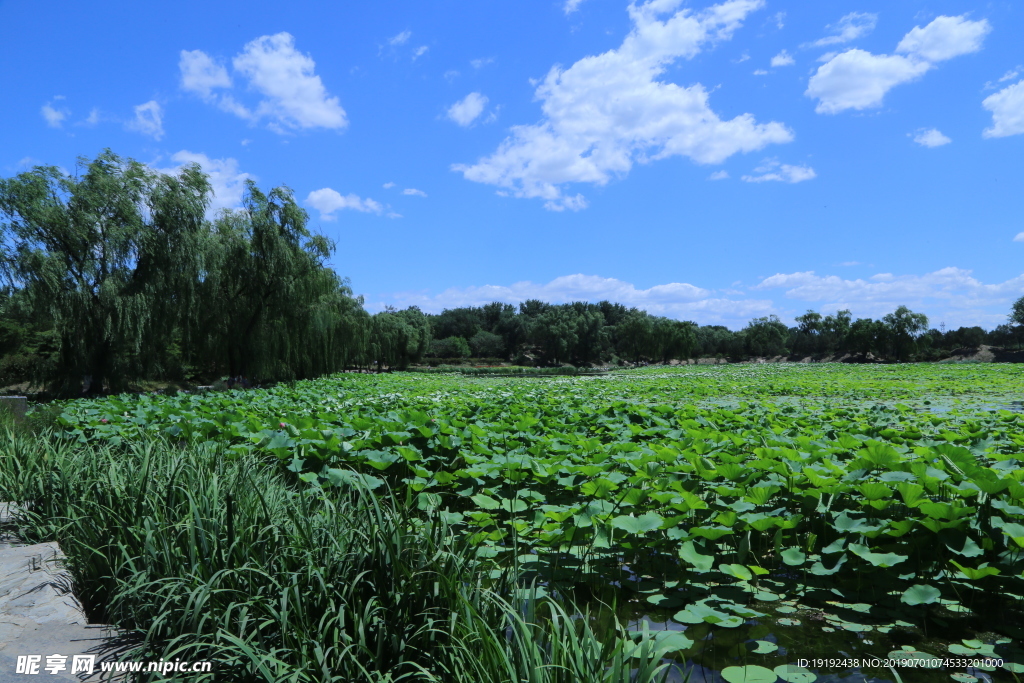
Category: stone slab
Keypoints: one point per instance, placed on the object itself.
(15, 405)
(39, 615)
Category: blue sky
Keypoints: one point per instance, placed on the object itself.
(709, 162)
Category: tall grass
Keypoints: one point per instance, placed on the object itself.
(211, 558)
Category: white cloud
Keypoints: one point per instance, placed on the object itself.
(931, 137)
(328, 202)
(1008, 76)
(400, 39)
(481, 63)
(677, 300)
(450, 75)
(773, 171)
(293, 96)
(149, 120)
(92, 119)
(466, 110)
(606, 112)
(857, 79)
(1007, 107)
(201, 74)
(719, 175)
(760, 72)
(571, 6)
(414, 192)
(54, 117)
(227, 182)
(388, 186)
(1019, 237)
(945, 38)
(419, 52)
(779, 18)
(951, 294)
(783, 59)
(850, 27)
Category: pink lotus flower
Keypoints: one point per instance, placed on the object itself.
(283, 425)
(104, 420)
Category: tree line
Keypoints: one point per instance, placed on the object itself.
(584, 333)
(117, 274)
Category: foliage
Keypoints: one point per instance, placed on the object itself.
(112, 255)
(1017, 312)
(210, 558)
(738, 491)
(765, 336)
(116, 275)
(398, 338)
(905, 327)
(487, 345)
(450, 347)
(269, 307)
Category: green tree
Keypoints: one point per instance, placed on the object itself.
(766, 336)
(635, 335)
(265, 288)
(449, 347)
(904, 328)
(1017, 318)
(590, 333)
(868, 336)
(554, 332)
(674, 339)
(457, 322)
(834, 329)
(111, 255)
(487, 345)
(398, 338)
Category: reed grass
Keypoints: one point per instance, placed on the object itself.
(209, 557)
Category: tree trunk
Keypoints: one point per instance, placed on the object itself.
(99, 368)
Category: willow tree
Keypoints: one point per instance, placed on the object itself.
(270, 307)
(398, 338)
(110, 255)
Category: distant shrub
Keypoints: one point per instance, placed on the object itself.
(18, 367)
(487, 345)
(452, 347)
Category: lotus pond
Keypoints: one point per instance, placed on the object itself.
(758, 515)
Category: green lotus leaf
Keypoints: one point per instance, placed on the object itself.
(791, 673)
(921, 594)
(736, 570)
(688, 553)
(884, 560)
(649, 521)
(963, 677)
(750, 673)
(485, 502)
(794, 557)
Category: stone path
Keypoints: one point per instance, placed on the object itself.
(39, 614)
